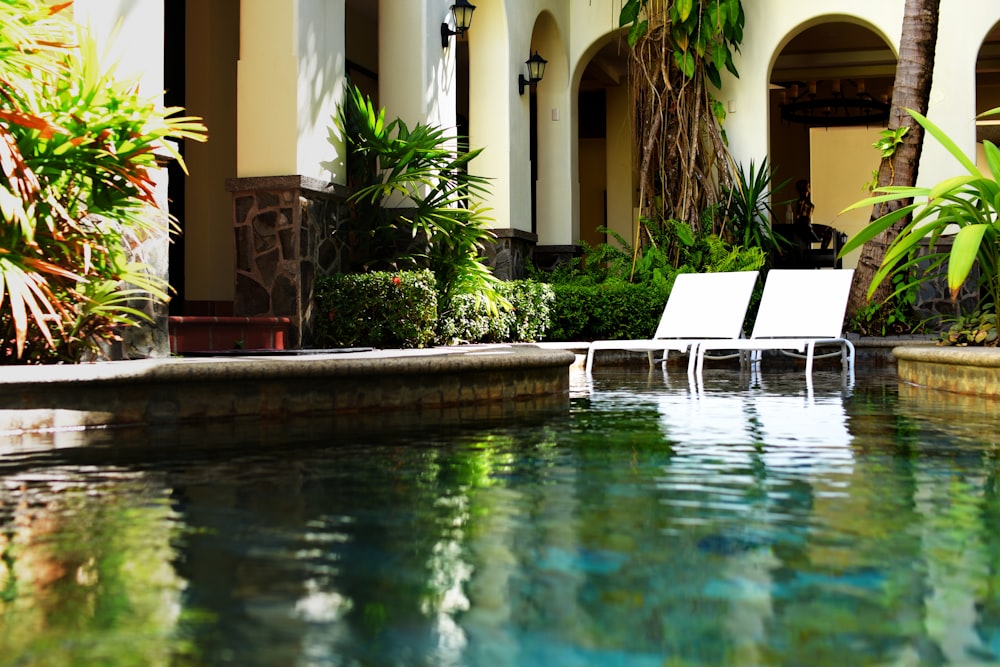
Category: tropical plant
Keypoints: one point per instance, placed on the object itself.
(895, 316)
(672, 248)
(679, 49)
(969, 203)
(747, 209)
(415, 203)
(77, 152)
(528, 319)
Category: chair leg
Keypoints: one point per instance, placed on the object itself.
(810, 350)
(692, 358)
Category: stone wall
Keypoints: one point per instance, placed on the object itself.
(510, 251)
(285, 237)
(933, 298)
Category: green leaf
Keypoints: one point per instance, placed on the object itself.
(684, 233)
(735, 9)
(684, 8)
(713, 16)
(680, 37)
(991, 112)
(629, 13)
(637, 32)
(892, 194)
(992, 158)
(964, 250)
(720, 54)
(712, 72)
(875, 227)
(950, 185)
(674, 14)
(731, 66)
(685, 62)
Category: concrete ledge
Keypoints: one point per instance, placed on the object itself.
(973, 371)
(172, 391)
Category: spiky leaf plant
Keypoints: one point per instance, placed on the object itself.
(77, 153)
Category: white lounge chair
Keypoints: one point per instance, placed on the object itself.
(800, 310)
(701, 306)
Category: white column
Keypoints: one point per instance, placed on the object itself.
(290, 80)
(558, 175)
(416, 75)
(130, 34)
(497, 118)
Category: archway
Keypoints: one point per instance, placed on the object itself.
(604, 143)
(830, 90)
(988, 91)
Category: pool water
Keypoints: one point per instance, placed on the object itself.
(750, 521)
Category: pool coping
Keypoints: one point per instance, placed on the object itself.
(180, 390)
(973, 371)
(188, 389)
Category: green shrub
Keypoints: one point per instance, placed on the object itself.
(469, 321)
(612, 310)
(378, 309)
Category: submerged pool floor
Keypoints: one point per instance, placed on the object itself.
(753, 520)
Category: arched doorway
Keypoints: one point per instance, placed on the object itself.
(830, 90)
(604, 144)
(988, 91)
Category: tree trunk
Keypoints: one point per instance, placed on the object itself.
(911, 90)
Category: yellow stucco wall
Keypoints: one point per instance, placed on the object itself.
(842, 164)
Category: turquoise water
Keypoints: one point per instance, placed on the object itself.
(752, 521)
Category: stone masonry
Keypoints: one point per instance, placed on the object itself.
(285, 229)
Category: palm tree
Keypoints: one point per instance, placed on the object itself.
(911, 90)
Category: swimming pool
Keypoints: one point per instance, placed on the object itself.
(752, 521)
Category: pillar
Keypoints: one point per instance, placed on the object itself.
(131, 34)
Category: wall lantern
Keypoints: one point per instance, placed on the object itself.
(462, 11)
(536, 70)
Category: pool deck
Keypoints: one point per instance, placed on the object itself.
(198, 389)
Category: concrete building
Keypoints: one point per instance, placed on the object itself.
(267, 76)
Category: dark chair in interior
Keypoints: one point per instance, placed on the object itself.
(802, 251)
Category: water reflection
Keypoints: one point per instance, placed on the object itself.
(746, 521)
(87, 571)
